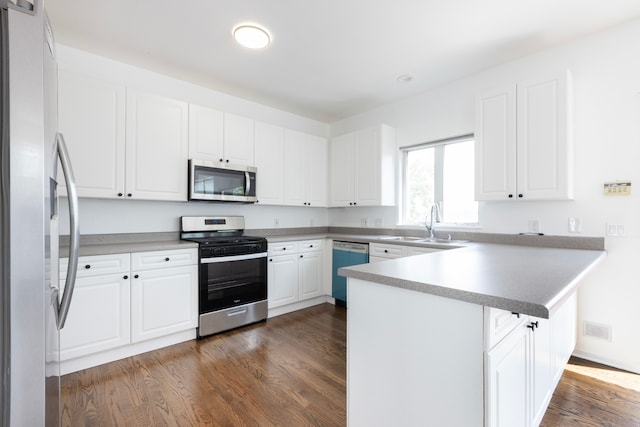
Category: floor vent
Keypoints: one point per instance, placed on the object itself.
(597, 330)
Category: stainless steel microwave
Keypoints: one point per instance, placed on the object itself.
(221, 182)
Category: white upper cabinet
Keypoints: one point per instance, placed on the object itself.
(238, 140)
(218, 137)
(157, 147)
(123, 143)
(269, 153)
(92, 119)
(363, 168)
(305, 176)
(524, 141)
(206, 133)
(316, 171)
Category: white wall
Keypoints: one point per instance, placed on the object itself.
(103, 216)
(606, 74)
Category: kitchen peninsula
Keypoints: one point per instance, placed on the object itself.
(465, 337)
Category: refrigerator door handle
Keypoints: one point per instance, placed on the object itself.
(74, 232)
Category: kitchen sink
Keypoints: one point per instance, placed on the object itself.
(436, 240)
(421, 239)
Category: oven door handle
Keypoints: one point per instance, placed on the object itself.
(233, 258)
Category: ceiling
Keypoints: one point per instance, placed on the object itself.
(328, 59)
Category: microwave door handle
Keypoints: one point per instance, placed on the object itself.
(74, 232)
(247, 180)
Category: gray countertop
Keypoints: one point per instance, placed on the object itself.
(525, 274)
(522, 279)
(106, 244)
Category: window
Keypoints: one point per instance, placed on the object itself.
(441, 173)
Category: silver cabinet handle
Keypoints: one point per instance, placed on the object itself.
(74, 232)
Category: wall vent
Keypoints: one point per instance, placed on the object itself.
(597, 330)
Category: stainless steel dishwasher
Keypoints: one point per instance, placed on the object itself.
(346, 254)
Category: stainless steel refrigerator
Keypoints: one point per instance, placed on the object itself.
(32, 307)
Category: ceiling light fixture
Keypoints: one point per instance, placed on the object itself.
(405, 78)
(251, 36)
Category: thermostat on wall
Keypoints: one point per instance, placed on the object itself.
(617, 188)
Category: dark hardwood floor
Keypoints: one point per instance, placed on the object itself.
(289, 371)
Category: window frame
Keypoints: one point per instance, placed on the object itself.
(438, 145)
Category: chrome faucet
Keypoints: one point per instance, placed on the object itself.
(434, 216)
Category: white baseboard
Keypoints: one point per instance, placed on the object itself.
(278, 311)
(606, 361)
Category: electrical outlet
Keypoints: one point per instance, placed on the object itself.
(534, 226)
(276, 222)
(575, 226)
(615, 229)
(364, 222)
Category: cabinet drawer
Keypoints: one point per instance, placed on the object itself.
(281, 248)
(97, 265)
(499, 323)
(387, 251)
(163, 259)
(417, 250)
(310, 246)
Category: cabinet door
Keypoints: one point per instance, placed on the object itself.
(99, 316)
(92, 119)
(367, 167)
(563, 336)
(157, 147)
(310, 275)
(495, 136)
(206, 133)
(163, 301)
(238, 140)
(282, 278)
(506, 381)
(544, 139)
(341, 155)
(541, 369)
(270, 161)
(295, 171)
(316, 171)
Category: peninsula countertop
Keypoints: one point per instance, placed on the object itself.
(522, 279)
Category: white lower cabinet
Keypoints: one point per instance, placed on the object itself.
(99, 313)
(282, 279)
(506, 380)
(294, 272)
(524, 365)
(99, 316)
(163, 301)
(124, 299)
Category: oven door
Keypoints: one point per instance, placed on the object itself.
(232, 280)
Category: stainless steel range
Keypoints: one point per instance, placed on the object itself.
(232, 272)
